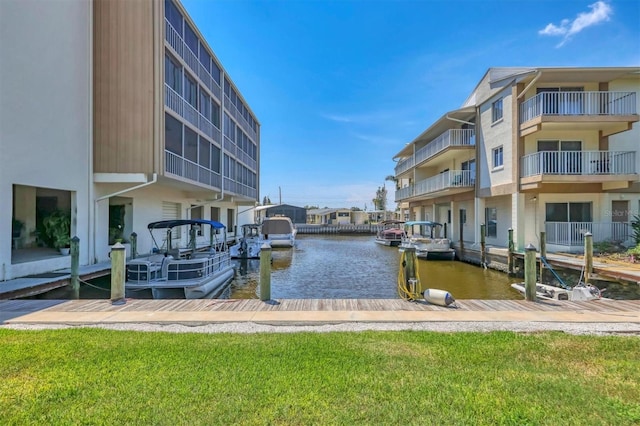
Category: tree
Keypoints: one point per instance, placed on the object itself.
(380, 202)
(266, 200)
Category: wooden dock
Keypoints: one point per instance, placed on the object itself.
(312, 311)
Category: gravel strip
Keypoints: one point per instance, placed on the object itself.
(630, 329)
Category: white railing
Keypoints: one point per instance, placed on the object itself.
(404, 165)
(447, 180)
(572, 233)
(578, 103)
(453, 137)
(579, 163)
(404, 193)
(244, 124)
(182, 167)
(177, 43)
(178, 104)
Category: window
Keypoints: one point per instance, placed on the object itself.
(215, 72)
(205, 59)
(497, 157)
(172, 134)
(215, 214)
(230, 223)
(568, 212)
(191, 39)
(205, 105)
(204, 154)
(196, 213)
(190, 145)
(190, 91)
(215, 159)
(491, 217)
(496, 110)
(173, 16)
(172, 73)
(215, 114)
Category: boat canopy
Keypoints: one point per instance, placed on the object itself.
(277, 225)
(422, 223)
(168, 224)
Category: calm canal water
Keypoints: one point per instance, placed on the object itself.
(355, 267)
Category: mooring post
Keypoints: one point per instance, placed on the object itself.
(192, 239)
(118, 268)
(483, 259)
(444, 229)
(530, 273)
(134, 245)
(510, 252)
(543, 251)
(410, 270)
(265, 272)
(461, 239)
(588, 256)
(75, 266)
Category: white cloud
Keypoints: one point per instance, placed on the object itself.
(600, 12)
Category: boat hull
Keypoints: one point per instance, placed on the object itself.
(549, 292)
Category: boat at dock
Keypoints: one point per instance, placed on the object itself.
(423, 237)
(250, 244)
(181, 272)
(580, 292)
(390, 233)
(279, 231)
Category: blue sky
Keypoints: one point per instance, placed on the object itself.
(340, 87)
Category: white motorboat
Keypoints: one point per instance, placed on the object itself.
(579, 292)
(279, 231)
(182, 273)
(249, 245)
(390, 233)
(422, 235)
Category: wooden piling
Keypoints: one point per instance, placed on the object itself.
(510, 252)
(588, 256)
(530, 273)
(265, 272)
(134, 245)
(118, 274)
(410, 264)
(543, 251)
(483, 255)
(75, 266)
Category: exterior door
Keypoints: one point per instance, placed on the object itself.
(619, 220)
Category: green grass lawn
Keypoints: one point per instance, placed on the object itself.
(93, 376)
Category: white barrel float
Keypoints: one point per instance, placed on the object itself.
(438, 297)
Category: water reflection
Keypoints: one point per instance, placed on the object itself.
(352, 267)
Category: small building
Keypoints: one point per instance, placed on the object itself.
(296, 214)
(339, 216)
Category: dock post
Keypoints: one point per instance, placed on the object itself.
(510, 252)
(410, 270)
(265, 272)
(588, 256)
(530, 273)
(75, 265)
(461, 239)
(118, 267)
(543, 251)
(134, 245)
(483, 256)
(444, 228)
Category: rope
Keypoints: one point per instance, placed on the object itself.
(403, 291)
(94, 286)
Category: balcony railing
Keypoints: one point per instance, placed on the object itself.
(453, 137)
(180, 47)
(182, 167)
(447, 180)
(578, 103)
(173, 100)
(579, 163)
(572, 233)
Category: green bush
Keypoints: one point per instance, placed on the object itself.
(57, 228)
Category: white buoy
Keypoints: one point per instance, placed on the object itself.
(438, 297)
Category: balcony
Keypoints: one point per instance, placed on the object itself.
(177, 103)
(454, 138)
(578, 166)
(610, 112)
(180, 166)
(191, 59)
(570, 235)
(452, 181)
